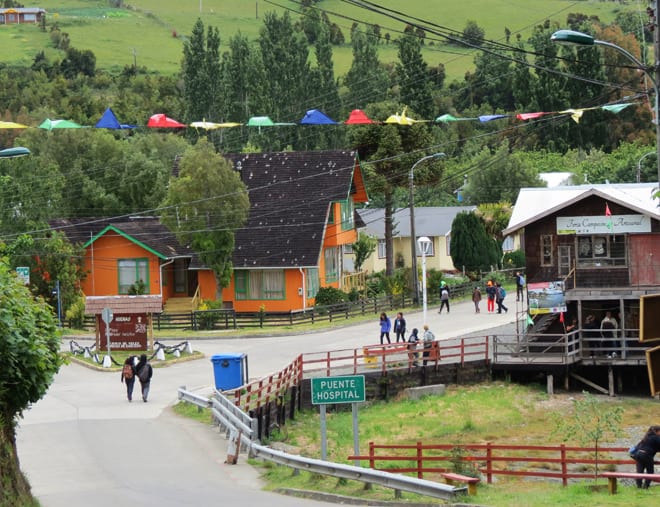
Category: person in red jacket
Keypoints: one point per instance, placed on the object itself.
(491, 292)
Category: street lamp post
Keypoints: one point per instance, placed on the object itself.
(653, 73)
(413, 236)
(639, 164)
(424, 246)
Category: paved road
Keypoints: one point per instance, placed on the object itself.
(83, 443)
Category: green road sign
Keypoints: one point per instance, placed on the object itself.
(330, 390)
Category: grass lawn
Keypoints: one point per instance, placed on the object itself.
(145, 32)
(493, 412)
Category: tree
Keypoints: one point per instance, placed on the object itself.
(204, 206)
(471, 248)
(415, 89)
(51, 258)
(473, 34)
(591, 423)
(366, 80)
(29, 359)
(200, 69)
(363, 248)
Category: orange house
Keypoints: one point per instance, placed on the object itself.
(301, 215)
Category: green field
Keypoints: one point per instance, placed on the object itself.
(151, 32)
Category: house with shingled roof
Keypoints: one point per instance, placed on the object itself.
(301, 215)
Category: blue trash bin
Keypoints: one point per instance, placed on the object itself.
(228, 370)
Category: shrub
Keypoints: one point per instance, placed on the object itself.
(515, 259)
(75, 314)
(330, 296)
(207, 319)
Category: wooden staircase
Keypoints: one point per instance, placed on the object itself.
(179, 305)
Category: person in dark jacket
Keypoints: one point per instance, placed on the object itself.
(128, 376)
(385, 327)
(645, 454)
(400, 327)
(144, 373)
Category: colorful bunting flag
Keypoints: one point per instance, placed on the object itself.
(608, 214)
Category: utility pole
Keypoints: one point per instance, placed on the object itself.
(656, 75)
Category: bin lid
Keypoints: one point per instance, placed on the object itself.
(221, 357)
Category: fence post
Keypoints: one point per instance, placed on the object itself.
(420, 461)
(489, 463)
(564, 470)
(462, 352)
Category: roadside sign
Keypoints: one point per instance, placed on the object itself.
(106, 315)
(23, 273)
(332, 390)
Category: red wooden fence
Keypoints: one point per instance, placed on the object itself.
(560, 462)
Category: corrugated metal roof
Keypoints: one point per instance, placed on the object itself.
(429, 221)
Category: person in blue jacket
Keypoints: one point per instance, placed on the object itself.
(385, 327)
(644, 455)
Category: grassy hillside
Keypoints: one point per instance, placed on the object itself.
(151, 32)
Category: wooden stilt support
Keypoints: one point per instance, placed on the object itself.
(550, 381)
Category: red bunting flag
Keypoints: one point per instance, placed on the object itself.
(608, 213)
(561, 317)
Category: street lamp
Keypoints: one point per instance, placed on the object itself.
(583, 39)
(639, 164)
(425, 247)
(413, 236)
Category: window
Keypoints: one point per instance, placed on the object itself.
(348, 248)
(312, 281)
(131, 271)
(331, 217)
(431, 248)
(601, 250)
(259, 284)
(546, 250)
(382, 253)
(331, 265)
(347, 214)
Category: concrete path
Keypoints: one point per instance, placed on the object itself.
(84, 444)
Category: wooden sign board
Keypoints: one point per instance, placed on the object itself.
(127, 332)
(649, 318)
(653, 365)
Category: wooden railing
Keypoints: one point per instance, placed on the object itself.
(557, 462)
(260, 392)
(197, 298)
(395, 355)
(357, 281)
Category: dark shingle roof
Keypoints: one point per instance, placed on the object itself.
(290, 193)
(147, 231)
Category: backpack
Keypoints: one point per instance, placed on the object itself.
(502, 292)
(445, 294)
(143, 374)
(127, 372)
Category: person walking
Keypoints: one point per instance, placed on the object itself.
(520, 284)
(476, 299)
(444, 296)
(491, 291)
(644, 454)
(385, 328)
(400, 327)
(128, 376)
(144, 373)
(413, 340)
(429, 338)
(500, 294)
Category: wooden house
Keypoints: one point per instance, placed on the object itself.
(301, 215)
(21, 15)
(599, 246)
(432, 222)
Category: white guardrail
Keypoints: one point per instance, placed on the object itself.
(234, 419)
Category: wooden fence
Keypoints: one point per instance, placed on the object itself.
(561, 462)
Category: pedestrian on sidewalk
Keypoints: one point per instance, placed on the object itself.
(476, 299)
(500, 294)
(429, 338)
(491, 291)
(144, 373)
(413, 340)
(400, 327)
(520, 284)
(128, 376)
(644, 454)
(385, 327)
(444, 296)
